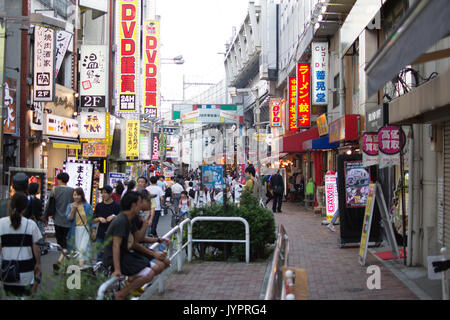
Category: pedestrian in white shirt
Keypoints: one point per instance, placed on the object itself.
(177, 188)
(154, 189)
(202, 197)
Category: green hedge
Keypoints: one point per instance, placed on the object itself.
(261, 222)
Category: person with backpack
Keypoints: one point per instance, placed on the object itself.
(277, 185)
(191, 193)
(34, 210)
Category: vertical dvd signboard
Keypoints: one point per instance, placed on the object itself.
(150, 56)
(127, 74)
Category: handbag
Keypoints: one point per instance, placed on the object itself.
(10, 273)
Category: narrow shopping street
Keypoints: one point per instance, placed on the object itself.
(333, 273)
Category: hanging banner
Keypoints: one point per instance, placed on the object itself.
(10, 122)
(92, 125)
(319, 62)
(93, 76)
(128, 22)
(132, 145)
(44, 64)
(291, 109)
(155, 146)
(60, 126)
(303, 95)
(81, 174)
(357, 180)
(275, 112)
(150, 56)
(37, 119)
(331, 194)
(62, 43)
(94, 150)
(369, 144)
(391, 140)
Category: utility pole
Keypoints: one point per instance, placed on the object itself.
(257, 111)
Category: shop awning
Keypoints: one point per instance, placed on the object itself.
(294, 143)
(65, 144)
(273, 158)
(323, 143)
(424, 24)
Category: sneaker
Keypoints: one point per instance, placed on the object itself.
(331, 227)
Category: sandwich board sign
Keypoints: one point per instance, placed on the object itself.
(376, 194)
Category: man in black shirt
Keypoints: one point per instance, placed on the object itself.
(104, 213)
(277, 184)
(119, 252)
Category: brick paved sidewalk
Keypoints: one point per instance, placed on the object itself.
(333, 273)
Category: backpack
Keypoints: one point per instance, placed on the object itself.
(192, 193)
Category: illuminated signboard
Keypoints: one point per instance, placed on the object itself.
(322, 125)
(128, 62)
(319, 58)
(132, 144)
(304, 95)
(151, 67)
(93, 76)
(275, 112)
(44, 64)
(292, 114)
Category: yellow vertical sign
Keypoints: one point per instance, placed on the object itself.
(368, 214)
(132, 144)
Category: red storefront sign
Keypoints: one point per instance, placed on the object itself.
(151, 67)
(292, 110)
(344, 128)
(304, 95)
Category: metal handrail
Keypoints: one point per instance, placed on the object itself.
(280, 259)
(203, 218)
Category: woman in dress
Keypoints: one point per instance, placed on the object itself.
(80, 213)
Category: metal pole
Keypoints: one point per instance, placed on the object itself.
(258, 120)
(402, 190)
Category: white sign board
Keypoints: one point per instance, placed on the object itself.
(319, 73)
(92, 125)
(60, 126)
(93, 76)
(62, 43)
(44, 64)
(80, 176)
(331, 194)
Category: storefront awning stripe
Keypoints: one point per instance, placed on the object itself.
(323, 143)
(65, 144)
(294, 143)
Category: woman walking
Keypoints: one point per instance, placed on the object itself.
(18, 248)
(80, 214)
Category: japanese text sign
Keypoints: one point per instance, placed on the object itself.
(62, 43)
(44, 64)
(292, 110)
(303, 96)
(151, 67)
(390, 140)
(10, 122)
(331, 194)
(93, 76)
(155, 146)
(60, 126)
(128, 62)
(132, 143)
(319, 58)
(94, 150)
(92, 125)
(144, 145)
(275, 112)
(369, 145)
(80, 176)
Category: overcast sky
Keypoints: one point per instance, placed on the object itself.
(197, 30)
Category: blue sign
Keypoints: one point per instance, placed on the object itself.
(212, 176)
(114, 177)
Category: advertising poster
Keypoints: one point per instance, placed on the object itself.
(212, 176)
(151, 68)
(128, 39)
(61, 126)
(391, 140)
(10, 122)
(93, 76)
(44, 64)
(368, 214)
(357, 180)
(275, 112)
(81, 175)
(155, 146)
